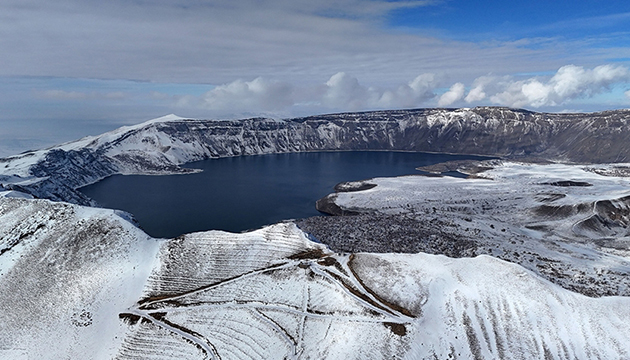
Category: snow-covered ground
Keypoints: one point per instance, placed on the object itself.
(66, 272)
(78, 282)
(17, 168)
(568, 223)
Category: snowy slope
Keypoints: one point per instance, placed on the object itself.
(78, 282)
(65, 274)
(19, 165)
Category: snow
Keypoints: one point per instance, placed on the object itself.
(487, 308)
(568, 234)
(19, 165)
(79, 282)
(272, 293)
(67, 278)
(15, 194)
(111, 136)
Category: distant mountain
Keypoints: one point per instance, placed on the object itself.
(159, 146)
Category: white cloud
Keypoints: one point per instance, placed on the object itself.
(217, 41)
(568, 83)
(341, 92)
(256, 95)
(455, 93)
(423, 86)
(480, 87)
(627, 93)
(571, 81)
(412, 94)
(475, 94)
(344, 92)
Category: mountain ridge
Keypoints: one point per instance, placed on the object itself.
(160, 145)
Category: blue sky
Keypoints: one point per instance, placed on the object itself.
(514, 20)
(70, 68)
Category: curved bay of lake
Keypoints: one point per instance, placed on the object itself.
(248, 192)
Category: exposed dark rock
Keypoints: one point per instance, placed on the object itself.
(463, 166)
(567, 183)
(327, 205)
(388, 233)
(610, 218)
(549, 197)
(351, 186)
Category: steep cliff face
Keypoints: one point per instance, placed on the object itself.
(159, 146)
(589, 138)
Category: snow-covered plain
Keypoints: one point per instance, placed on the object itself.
(78, 282)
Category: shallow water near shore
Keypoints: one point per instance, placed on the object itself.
(247, 192)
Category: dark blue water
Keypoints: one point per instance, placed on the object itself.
(247, 192)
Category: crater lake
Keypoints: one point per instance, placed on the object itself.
(247, 192)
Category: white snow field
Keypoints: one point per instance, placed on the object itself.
(79, 282)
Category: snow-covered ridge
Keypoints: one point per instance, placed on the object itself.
(20, 164)
(80, 282)
(159, 146)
